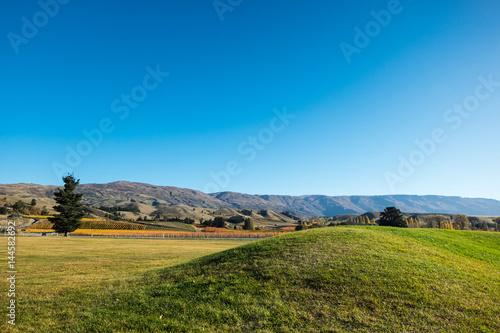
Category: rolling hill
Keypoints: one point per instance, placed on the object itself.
(148, 197)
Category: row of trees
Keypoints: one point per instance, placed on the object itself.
(393, 217)
(459, 222)
(362, 220)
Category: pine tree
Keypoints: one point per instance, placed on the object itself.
(248, 224)
(219, 222)
(70, 207)
(392, 217)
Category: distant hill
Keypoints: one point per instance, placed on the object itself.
(117, 193)
(150, 198)
(321, 205)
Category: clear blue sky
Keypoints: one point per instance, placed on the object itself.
(228, 68)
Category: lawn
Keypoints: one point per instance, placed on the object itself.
(50, 268)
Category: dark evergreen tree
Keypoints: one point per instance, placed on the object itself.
(246, 212)
(219, 222)
(69, 207)
(392, 217)
(300, 227)
(33, 202)
(208, 223)
(249, 225)
(236, 219)
(263, 212)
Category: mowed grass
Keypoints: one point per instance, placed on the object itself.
(55, 272)
(342, 279)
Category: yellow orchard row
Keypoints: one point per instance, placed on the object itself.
(94, 224)
(163, 234)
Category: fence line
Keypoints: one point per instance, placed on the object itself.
(165, 235)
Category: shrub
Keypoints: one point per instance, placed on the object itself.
(44, 211)
(484, 226)
(264, 213)
(246, 212)
(236, 219)
(35, 211)
(20, 207)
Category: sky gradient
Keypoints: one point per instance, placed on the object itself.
(252, 96)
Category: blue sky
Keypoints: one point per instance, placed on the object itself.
(211, 124)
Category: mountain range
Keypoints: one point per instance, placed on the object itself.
(122, 192)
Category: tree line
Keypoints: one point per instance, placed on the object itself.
(22, 208)
(393, 217)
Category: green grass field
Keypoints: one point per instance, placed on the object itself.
(54, 271)
(342, 279)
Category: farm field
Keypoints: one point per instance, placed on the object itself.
(50, 269)
(338, 279)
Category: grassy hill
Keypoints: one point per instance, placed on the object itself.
(342, 279)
